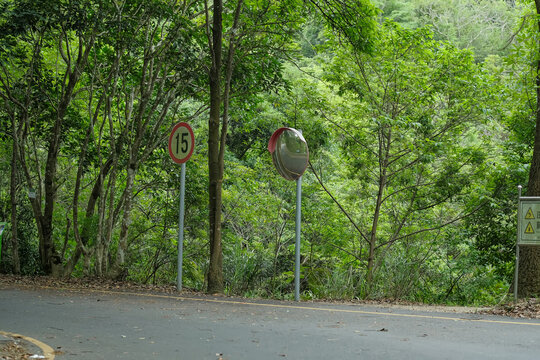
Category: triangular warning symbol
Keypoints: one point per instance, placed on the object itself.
(529, 214)
(529, 229)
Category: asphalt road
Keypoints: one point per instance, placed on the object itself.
(108, 325)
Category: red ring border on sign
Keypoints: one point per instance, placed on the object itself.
(175, 159)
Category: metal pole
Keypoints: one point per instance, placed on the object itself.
(297, 244)
(181, 226)
(516, 268)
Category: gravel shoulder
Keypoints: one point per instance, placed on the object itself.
(525, 308)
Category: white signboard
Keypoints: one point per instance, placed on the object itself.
(529, 229)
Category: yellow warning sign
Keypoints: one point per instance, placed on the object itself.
(529, 221)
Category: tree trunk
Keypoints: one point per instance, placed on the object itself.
(126, 219)
(215, 271)
(384, 153)
(217, 138)
(13, 193)
(529, 257)
(50, 261)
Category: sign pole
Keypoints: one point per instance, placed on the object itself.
(516, 268)
(181, 145)
(181, 225)
(297, 244)
(290, 156)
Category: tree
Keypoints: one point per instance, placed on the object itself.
(27, 32)
(244, 49)
(216, 148)
(16, 135)
(529, 259)
(484, 26)
(149, 89)
(253, 39)
(94, 86)
(407, 123)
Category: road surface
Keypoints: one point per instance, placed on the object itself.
(86, 324)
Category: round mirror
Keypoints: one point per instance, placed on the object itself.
(290, 152)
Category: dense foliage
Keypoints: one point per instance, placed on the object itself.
(419, 116)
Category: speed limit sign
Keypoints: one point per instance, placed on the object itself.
(181, 143)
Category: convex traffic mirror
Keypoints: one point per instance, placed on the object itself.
(290, 152)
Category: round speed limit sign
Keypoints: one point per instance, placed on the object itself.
(181, 143)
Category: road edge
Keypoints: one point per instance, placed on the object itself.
(48, 351)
